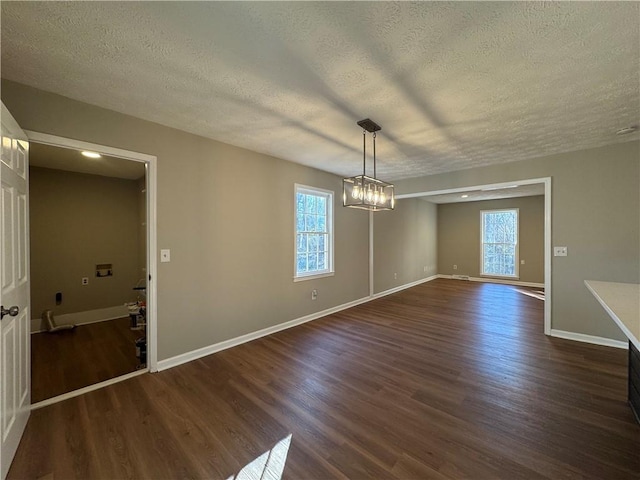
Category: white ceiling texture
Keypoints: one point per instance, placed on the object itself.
(453, 85)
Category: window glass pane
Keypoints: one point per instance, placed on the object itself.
(322, 261)
(313, 243)
(321, 206)
(312, 264)
(322, 243)
(311, 204)
(301, 243)
(302, 262)
(322, 224)
(310, 223)
(299, 203)
(300, 223)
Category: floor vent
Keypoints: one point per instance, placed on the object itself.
(461, 277)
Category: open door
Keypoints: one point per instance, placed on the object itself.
(15, 346)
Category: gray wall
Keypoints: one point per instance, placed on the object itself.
(459, 236)
(595, 212)
(404, 244)
(78, 221)
(226, 214)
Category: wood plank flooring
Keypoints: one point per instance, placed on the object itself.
(449, 379)
(71, 359)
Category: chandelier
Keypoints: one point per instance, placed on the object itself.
(362, 191)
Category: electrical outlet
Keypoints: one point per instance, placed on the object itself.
(314, 294)
(455, 267)
(395, 276)
(560, 251)
(165, 255)
(521, 262)
(85, 280)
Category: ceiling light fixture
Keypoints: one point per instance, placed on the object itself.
(362, 191)
(91, 154)
(464, 196)
(627, 130)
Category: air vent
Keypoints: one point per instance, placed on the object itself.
(461, 277)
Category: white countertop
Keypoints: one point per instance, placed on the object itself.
(622, 303)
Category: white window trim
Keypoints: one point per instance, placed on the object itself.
(517, 259)
(306, 189)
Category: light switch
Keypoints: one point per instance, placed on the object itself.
(165, 255)
(559, 251)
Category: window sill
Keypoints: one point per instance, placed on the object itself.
(313, 277)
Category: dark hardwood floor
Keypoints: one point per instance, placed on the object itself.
(71, 359)
(449, 379)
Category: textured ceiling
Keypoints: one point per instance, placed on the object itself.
(454, 85)
(58, 158)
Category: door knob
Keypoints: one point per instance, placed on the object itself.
(13, 311)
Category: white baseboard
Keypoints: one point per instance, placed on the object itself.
(493, 280)
(233, 342)
(403, 287)
(83, 318)
(581, 337)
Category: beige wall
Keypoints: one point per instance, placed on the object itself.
(459, 236)
(595, 213)
(78, 221)
(226, 214)
(404, 244)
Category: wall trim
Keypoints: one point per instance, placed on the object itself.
(548, 290)
(495, 280)
(403, 287)
(248, 337)
(84, 318)
(150, 162)
(582, 337)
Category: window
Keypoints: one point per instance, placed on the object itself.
(499, 243)
(314, 232)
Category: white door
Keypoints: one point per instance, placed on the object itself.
(15, 342)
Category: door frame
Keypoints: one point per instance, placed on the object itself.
(150, 162)
(547, 229)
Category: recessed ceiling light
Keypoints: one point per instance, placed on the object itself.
(464, 196)
(91, 154)
(627, 130)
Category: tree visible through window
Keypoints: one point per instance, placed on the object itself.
(499, 239)
(314, 225)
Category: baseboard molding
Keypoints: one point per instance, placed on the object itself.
(234, 342)
(581, 337)
(83, 318)
(493, 280)
(403, 287)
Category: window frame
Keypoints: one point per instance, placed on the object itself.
(329, 195)
(516, 275)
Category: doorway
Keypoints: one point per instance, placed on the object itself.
(504, 190)
(92, 262)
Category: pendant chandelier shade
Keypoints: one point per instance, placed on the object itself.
(363, 191)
